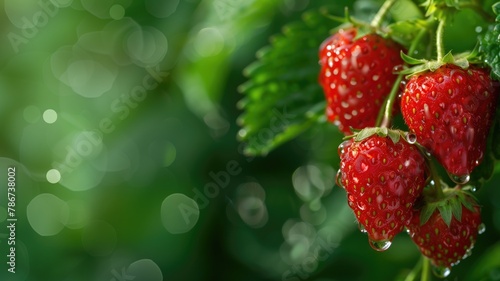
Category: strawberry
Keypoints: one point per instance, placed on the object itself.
(450, 110)
(356, 76)
(445, 231)
(383, 176)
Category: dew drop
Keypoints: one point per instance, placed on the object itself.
(463, 179)
(342, 147)
(398, 68)
(481, 229)
(402, 85)
(362, 228)
(411, 138)
(380, 246)
(467, 253)
(338, 179)
(441, 271)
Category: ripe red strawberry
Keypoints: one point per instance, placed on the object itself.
(383, 177)
(450, 110)
(448, 235)
(356, 76)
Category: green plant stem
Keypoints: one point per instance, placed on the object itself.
(437, 188)
(425, 269)
(377, 20)
(384, 118)
(414, 272)
(439, 39)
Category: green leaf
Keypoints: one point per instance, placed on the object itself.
(394, 135)
(427, 212)
(446, 213)
(456, 208)
(282, 95)
(404, 32)
(496, 8)
(367, 132)
(489, 47)
(404, 10)
(412, 61)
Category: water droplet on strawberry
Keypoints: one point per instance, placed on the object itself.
(380, 246)
(463, 179)
(411, 138)
(398, 68)
(361, 228)
(338, 179)
(342, 147)
(467, 253)
(441, 271)
(481, 229)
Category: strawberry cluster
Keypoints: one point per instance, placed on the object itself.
(389, 174)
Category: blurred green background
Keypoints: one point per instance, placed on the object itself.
(120, 119)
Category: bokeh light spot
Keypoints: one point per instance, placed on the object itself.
(179, 213)
(170, 154)
(146, 46)
(117, 12)
(145, 269)
(89, 78)
(53, 176)
(16, 11)
(47, 214)
(313, 181)
(209, 42)
(253, 211)
(164, 152)
(101, 9)
(161, 9)
(99, 238)
(49, 116)
(31, 114)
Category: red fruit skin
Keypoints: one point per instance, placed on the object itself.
(382, 180)
(450, 111)
(356, 76)
(443, 245)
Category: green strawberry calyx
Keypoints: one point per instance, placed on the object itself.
(463, 60)
(449, 206)
(363, 28)
(394, 135)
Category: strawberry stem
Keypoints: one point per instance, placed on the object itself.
(425, 269)
(437, 188)
(377, 20)
(384, 117)
(439, 39)
(414, 272)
